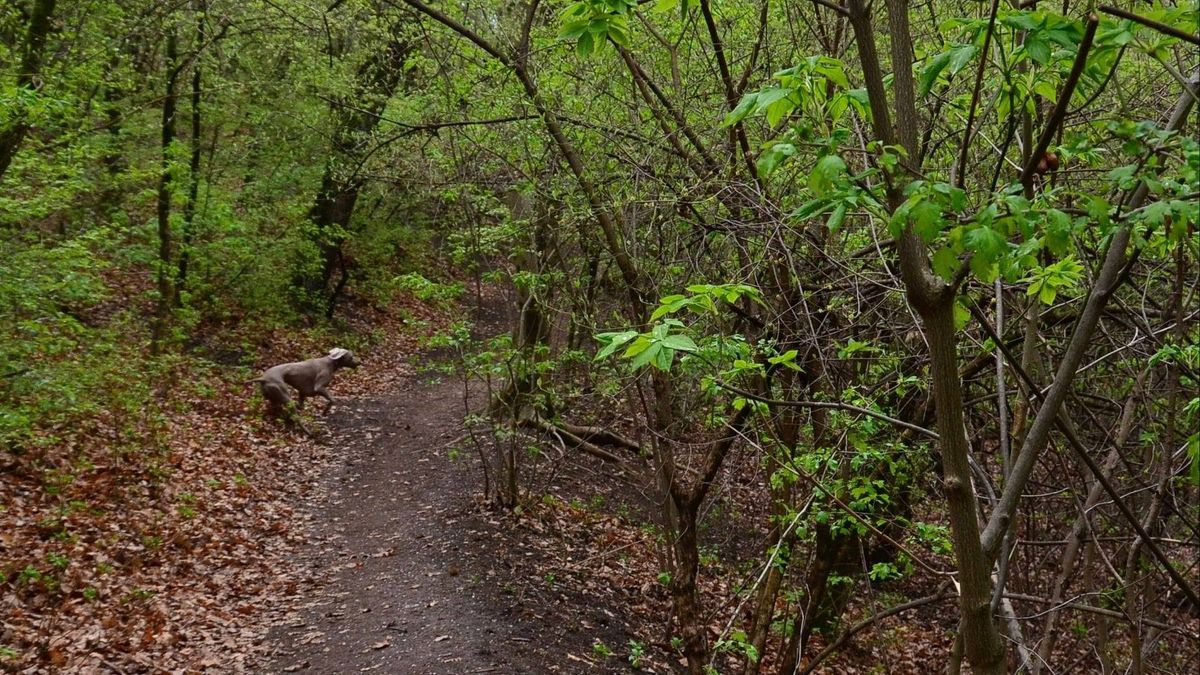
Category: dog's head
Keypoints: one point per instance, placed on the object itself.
(343, 358)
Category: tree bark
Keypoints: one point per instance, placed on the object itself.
(189, 207)
(934, 302)
(166, 285)
(40, 26)
(357, 117)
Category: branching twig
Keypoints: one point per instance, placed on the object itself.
(1064, 100)
(1151, 23)
(871, 620)
(830, 405)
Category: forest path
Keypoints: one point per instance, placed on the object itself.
(385, 535)
(407, 579)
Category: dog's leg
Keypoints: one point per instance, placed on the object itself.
(300, 425)
(277, 397)
(325, 395)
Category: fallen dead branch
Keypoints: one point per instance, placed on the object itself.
(565, 434)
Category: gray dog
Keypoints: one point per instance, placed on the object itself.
(308, 378)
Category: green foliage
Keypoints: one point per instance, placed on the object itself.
(49, 297)
(441, 294)
(636, 651)
(1047, 281)
(601, 650)
(935, 537)
(592, 23)
(949, 62)
(881, 572)
(669, 337)
(737, 643)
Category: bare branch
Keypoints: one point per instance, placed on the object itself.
(1064, 100)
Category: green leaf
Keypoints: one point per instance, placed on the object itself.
(960, 56)
(618, 34)
(680, 343)
(744, 107)
(1058, 231)
(664, 358)
(643, 357)
(1123, 176)
(944, 263)
(613, 342)
(584, 46)
(579, 9)
(835, 71)
(769, 160)
(789, 355)
(778, 110)
(984, 269)
(1047, 293)
(985, 241)
(573, 30)
(1046, 90)
(825, 174)
(812, 209)
(769, 95)
(929, 74)
(961, 316)
(836, 218)
(1023, 20)
(1037, 48)
(861, 101)
(927, 220)
(641, 344)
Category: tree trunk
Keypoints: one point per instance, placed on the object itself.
(981, 639)
(166, 286)
(189, 207)
(358, 116)
(934, 302)
(684, 593)
(40, 25)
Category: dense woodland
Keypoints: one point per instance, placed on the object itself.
(901, 294)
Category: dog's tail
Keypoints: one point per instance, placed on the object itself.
(257, 379)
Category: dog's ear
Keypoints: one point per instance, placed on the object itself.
(337, 353)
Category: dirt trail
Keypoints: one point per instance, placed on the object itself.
(393, 599)
(407, 578)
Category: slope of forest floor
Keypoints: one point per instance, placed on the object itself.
(158, 538)
(236, 547)
(412, 575)
(407, 570)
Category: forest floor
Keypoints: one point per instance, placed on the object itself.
(234, 546)
(414, 579)
(407, 570)
(231, 545)
(410, 573)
